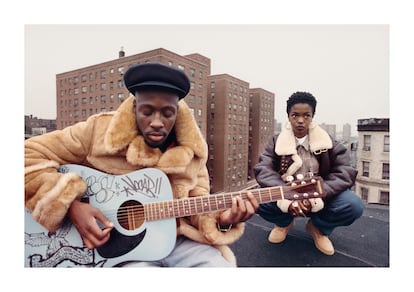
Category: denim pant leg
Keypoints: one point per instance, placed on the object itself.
(188, 253)
(271, 212)
(341, 210)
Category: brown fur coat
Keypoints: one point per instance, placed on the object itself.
(100, 143)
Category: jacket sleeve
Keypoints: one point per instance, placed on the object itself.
(266, 169)
(48, 193)
(341, 174)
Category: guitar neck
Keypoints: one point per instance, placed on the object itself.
(204, 204)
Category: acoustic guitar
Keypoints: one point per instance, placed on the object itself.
(144, 212)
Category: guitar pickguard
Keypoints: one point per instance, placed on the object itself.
(119, 244)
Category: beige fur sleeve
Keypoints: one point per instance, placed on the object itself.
(48, 194)
(208, 227)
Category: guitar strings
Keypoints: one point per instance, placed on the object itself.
(185, 207)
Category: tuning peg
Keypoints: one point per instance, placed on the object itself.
(299, 176)
(290, 178)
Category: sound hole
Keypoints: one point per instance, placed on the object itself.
(131, 215)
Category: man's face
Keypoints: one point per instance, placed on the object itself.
(300, 117)
(156, 113)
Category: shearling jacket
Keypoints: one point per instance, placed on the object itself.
(280, 159)
(110, 142)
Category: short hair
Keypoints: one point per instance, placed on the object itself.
(301, 97)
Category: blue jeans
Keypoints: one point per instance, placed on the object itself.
(341, 210)
(188, 253)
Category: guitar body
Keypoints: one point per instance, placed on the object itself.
(133, 239)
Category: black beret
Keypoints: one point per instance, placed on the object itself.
(156, 75)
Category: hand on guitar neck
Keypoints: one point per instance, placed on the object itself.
(241, 210)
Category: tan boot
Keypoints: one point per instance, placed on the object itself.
(321, 241)
(278, 234)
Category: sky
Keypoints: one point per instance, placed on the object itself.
(346, 67)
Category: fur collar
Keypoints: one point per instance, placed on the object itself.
(286, 145)
(318, 140)
(190, 141)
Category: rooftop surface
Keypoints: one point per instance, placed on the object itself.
(365, 243)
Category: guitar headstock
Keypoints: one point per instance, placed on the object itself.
(304, 188)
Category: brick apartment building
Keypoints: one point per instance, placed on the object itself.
(35, 126)
(228, 132)
(220, 104)
(100, 88)
(261, 124)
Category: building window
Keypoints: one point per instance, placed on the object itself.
(385, 171)
(212, 85)
(367, 143)
(103, 74)
(103, 86)
(365, 168)
(192, 72)
(191, 98)
(384, 197)
(120, 97)
(103, 98)
(121, 70)
(364, 194)
(386, 143)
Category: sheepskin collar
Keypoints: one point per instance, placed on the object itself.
(318, 140)
(122, 134)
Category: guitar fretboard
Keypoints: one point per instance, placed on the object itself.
(204, 204)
